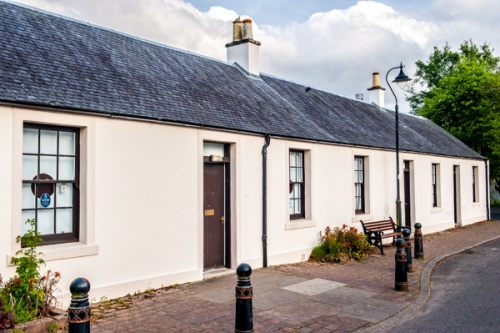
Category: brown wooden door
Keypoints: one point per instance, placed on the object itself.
(214, 215)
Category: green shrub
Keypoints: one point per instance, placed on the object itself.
(6, 317)
(495, 203)
(318, 253)
(341, 242)
(29, 295)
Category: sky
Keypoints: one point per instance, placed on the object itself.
(331, 45)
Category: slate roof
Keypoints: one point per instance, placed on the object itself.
(54, 61)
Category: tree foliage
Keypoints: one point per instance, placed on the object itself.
(460, 91)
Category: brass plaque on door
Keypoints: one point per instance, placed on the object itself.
(209, 212)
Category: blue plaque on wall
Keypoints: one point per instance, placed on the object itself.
(45, 200)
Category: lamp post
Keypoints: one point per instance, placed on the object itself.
(402, 79)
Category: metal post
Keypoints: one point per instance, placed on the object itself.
(401, 78)
(406, 236)
(79, 308)
(398, 190)
(401, 283)
(244, 293)
(419, 242)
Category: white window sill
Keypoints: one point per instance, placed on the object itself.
(300, 224)
(64, 251)
(364, 217)
(436, 210)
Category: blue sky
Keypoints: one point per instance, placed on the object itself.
(332, 45)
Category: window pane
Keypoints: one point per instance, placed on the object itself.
(299, 159)
(357, 163)
(64, 195)
(357, 188)
(46, 200)
(358, 203)
(213, 148)
(26, 215)
(293, 157)
(48, 142)
(299, 175)
(64, 220)
(296, 192)
(30, 167)
(67, 143)
(67, 168)
(30, 141)
(45, 221)
(48, 165)
(28, 197)
(298, 208)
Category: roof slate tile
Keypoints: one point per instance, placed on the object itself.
(55, 61)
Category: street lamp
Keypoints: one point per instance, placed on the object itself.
(402, 79)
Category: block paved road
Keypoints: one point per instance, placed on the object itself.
(303, 297)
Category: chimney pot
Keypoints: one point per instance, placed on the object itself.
(376, 79)
(237, 27)
(247, 31)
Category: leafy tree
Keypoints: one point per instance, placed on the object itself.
(460, 91)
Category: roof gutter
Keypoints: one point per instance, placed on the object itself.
(264, 200)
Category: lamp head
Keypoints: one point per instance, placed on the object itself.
(402, 79)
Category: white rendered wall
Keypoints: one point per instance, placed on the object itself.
(141, 210)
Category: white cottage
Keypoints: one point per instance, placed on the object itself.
(147, 166)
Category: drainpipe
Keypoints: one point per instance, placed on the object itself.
(487, 175)
(264, 200)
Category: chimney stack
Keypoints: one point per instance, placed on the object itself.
(376, 92)
(244, 50)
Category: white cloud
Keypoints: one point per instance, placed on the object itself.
(338, 50)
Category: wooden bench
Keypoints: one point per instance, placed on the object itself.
(375, 231)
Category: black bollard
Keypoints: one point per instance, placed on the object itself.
(244, 294)
(79, 308)
(406, 236)
(419, 242)
(401, 283)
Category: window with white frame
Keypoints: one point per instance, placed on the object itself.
(475, 184)
(50, 188)
(297, 185)
(435, 185)
(359, 184)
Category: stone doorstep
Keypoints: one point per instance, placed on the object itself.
(42, 325)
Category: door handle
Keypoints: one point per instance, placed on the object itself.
(222, 219)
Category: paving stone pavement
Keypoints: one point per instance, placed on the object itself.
(302, 297)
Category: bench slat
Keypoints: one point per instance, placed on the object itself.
(378, 230)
